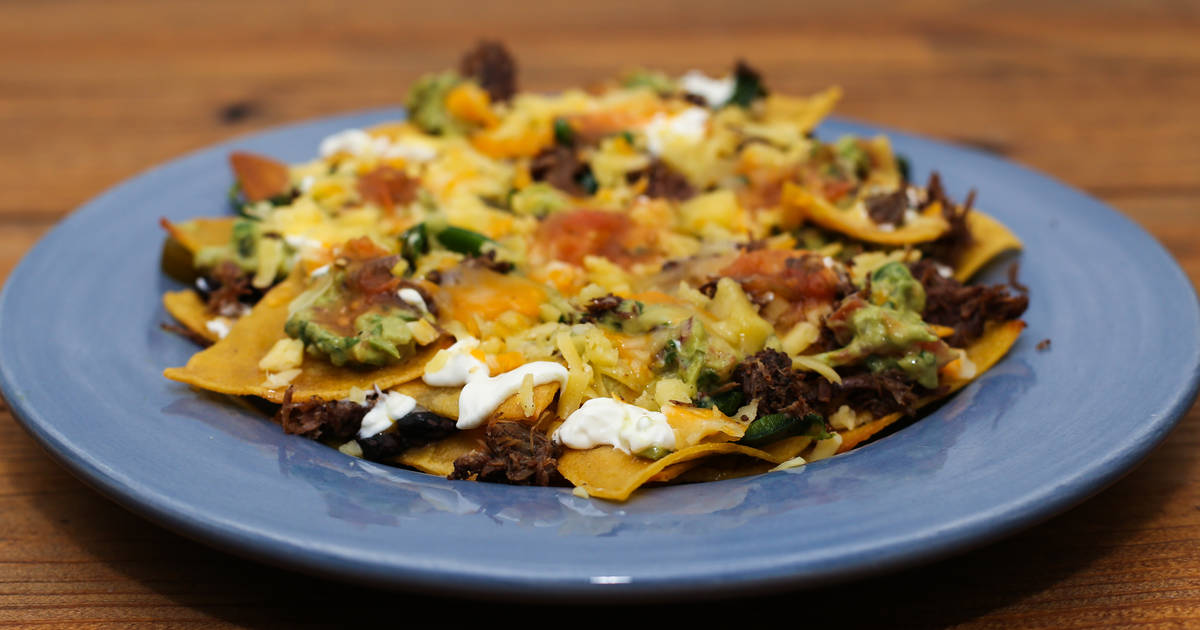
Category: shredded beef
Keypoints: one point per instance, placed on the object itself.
(415, 429)
(607, 305)
(768, 377)
(493, 67)
(949, 247)
(663, 182)
(559, 167)
(512, 453)
(966, 309)
(317, 418)
(888, 208)
(227, 290)
(879, 393)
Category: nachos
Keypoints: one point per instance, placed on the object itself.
(657, 279)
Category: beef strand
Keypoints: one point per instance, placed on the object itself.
(226, 289)
(512, 453)
(320, 419)
(663, 182)
(966, 309)
(559, 167)
(768, 377)
(949, 247)
(888, 208)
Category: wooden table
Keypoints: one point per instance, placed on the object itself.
(1104, 96)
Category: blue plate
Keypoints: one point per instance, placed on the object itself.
(82, 368)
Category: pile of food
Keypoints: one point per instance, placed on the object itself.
(654, 280)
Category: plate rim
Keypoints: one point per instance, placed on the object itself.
(224, 535)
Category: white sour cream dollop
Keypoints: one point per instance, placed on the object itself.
(482, 393)
(618, 424)
(480, 397)
(714, 91)
(688, 127)
(389, 408)
(455, 365)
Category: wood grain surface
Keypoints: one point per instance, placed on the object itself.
(1103, 95)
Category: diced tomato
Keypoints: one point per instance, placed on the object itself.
(790, 275)
(571, 236)
(387, 187)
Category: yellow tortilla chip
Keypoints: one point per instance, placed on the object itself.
(803, 112)
(694, 425)
(196, 234)
(984, 353)
(862, 433)
(437, 458)
(230, 366)
(991, 240)
(697, 431)
(444, 400)
(191, 312)
(607, 473)
(855, 223)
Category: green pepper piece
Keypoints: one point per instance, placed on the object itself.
(563, 133)
(777, 426)
(905, 168)
(587, 181)
(463, 241)
(729, 402)
(747, 86)
(654, 452)
(414, 243)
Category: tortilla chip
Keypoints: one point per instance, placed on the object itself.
(804, 112)
(191, 312)
(863, 432)
(694, 425)
(855, 223)
(613, 474)
(991, 240)
(197, 234)
(440, 400)
(984, 353)
(437, 458)
(230, 366)
(607, 473)
(444, 400)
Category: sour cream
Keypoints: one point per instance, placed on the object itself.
(410, 149)
(481, 396)
(688, 126)
(621, 425)
(714, 91)
(352, 141)
(389, 408)
(413, 298)
(455, 365)
(358, 142)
